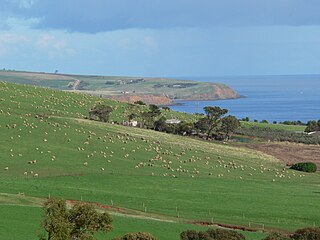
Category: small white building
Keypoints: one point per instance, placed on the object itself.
(134, 123)
(173, 121)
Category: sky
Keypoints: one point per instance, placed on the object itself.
(161, 37)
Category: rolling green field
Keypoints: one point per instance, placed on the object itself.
(48, 148)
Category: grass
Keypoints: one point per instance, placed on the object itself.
(290, 128)
(137, 169)
(30, 217)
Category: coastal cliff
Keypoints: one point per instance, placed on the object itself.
(159, 91)
(146, 98)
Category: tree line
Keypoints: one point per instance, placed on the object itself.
(213, 125)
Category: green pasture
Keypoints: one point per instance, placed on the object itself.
(61, 154)
(28, 219)
(291, 128)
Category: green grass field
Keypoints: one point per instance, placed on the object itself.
(290, 128)
(150, 174)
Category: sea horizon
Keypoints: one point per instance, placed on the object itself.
(266, 97)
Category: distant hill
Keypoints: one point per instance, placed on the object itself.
(161, 91)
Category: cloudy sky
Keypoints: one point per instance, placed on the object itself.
(161, 37)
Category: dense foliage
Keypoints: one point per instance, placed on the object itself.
(305, 167)
(211, 234)
(276, 236)
(313, 126)
(137, 236)
(79, 222)
(100, 112)
(307, 234)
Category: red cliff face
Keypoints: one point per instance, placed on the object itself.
(212, 92)
(146, 98)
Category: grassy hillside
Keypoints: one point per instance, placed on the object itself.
(142, 172)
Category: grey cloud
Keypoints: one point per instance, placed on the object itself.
(94, 16)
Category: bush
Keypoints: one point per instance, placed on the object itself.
(307, 234)
(137, 236)
(221, 234)
(305, 167)
(194, 235)
(276, 236)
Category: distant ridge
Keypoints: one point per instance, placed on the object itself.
(160, 91)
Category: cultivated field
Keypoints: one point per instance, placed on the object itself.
(148, 180)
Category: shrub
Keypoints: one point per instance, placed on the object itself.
(221, 234)
(276, 236)
(137, 236)
(307, 234)
(305, 167)
(194, 235)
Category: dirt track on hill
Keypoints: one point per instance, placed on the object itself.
(289, 153)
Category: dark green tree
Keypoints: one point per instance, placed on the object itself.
(160, 125)
(137, 236)
(185, 128)
(213, 119)
(276, 236)
(149, 117)
(100, 112)
(166, 108)
(55, 221)
(222, 234)
(78, 223)
(132, 116)
(155, 110)
(310, 233)
(229, 125)
(139, 102)
(313, 126)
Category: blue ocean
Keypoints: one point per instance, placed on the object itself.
(273, 98)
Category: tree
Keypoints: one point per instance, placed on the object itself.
(139, 102)
(166, 108)
(132, 116)
(276, 236)
(160, 124)
(222, 234)
(213, 119)
(264, 121)
(307, 234)
(55, 221)
(155, 110)
(149, 117)
(313, 126)
(78, 223)
(229, 125)
(185, 128)
(100, 111)
(137, 236)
